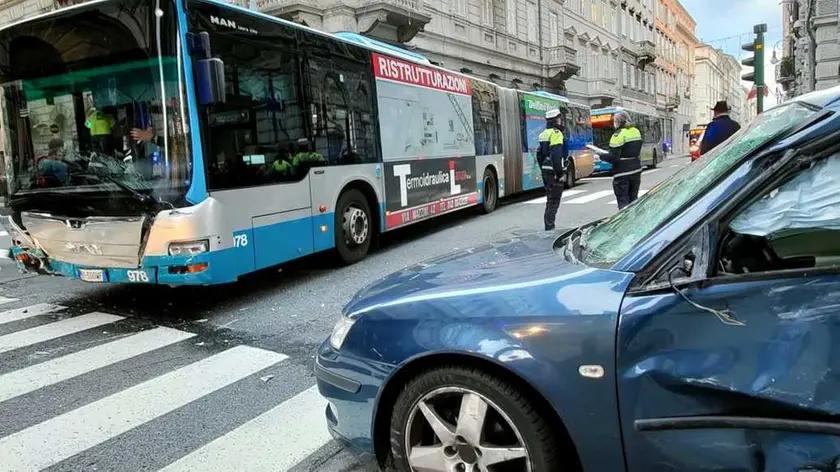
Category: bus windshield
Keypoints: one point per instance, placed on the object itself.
(93, 106)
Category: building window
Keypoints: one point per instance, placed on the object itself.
(625, 81)
(553, 25)
(624, 23)
(632, 79)
(459, 7)
(511, 17)
(533, 23)
(487, 12)
(583, 9)
(613, 19)
(595, 4)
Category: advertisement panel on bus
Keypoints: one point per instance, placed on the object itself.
(427, 137)
(535, 108)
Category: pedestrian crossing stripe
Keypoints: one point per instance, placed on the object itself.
(615, 202)
(276, 439)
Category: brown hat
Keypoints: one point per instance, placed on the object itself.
(721, 107)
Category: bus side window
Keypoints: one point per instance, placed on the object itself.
(252, 136)
(341, 106)
(488, 131)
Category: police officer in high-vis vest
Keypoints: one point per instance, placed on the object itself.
(552, 159)
(625, 157)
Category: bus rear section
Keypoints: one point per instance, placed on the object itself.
(649, 125)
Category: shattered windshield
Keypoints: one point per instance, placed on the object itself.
(93, 102)
(612, 239)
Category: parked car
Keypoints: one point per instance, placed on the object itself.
(698, 329)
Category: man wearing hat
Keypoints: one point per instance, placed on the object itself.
(552, 158)
(720, 129)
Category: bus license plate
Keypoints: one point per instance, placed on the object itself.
(92, 275)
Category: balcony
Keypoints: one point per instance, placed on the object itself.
(645, 52)
(786, 73)
(390, 20)
(562, 63)
(605, 89)
(672, 102)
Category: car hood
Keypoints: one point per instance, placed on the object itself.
(527, 266)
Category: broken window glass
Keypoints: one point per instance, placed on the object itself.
(612, 239)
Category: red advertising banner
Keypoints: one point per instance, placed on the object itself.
(422, 212)
(389, 68)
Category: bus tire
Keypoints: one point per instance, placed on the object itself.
(655, 161)
(491, 192)
(354, 226)
(571, 175)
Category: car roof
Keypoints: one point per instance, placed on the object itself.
(828, 98)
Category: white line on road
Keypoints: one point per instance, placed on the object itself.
(27, 312)
(651, 171)
(4, 233)
(591, 197)
(566, 193)
(276, 440)
(21, 382)
(615, 202)
(64, 436)
(55, 330)
(674, 166)
(4, 300)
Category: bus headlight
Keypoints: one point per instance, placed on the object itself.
(340, 331)
(189, 248)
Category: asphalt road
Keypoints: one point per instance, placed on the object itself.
(224, 381)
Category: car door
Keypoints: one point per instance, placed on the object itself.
(734, 364)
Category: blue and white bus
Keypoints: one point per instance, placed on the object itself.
(649, 125)
(192, 141)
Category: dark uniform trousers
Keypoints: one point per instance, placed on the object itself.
(626, 189)
(553, 194)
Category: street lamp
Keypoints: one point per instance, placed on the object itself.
(775, 60)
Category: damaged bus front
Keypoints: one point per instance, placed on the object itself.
(99, 157)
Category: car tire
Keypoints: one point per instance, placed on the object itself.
(491, 192)
(437, 391)
(354, 226)
(571, 175)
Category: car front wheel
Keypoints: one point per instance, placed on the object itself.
(463, 419)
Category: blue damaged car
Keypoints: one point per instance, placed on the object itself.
(696, 330)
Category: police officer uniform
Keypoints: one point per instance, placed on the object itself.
(625, 157)
(552, 158)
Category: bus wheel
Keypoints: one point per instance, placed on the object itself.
(353, 226)
(571, 175)
(655, 161)
(491, 192)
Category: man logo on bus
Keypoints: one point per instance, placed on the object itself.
(403, 171)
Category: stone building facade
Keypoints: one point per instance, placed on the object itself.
(597, 52)
(718, 78)
(810, 50)
(675, 71)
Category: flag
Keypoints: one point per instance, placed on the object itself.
(753, 93)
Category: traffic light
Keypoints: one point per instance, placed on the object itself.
(757, 63)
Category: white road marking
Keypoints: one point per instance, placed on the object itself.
(651, 171)
(674, 166)
(4, 300)
(4, 233)
(615, 202)
(27, 312)
(566, 193)
(21, 382)
(55, 330)
(590, 197)
(64, 436)
(274, 441)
